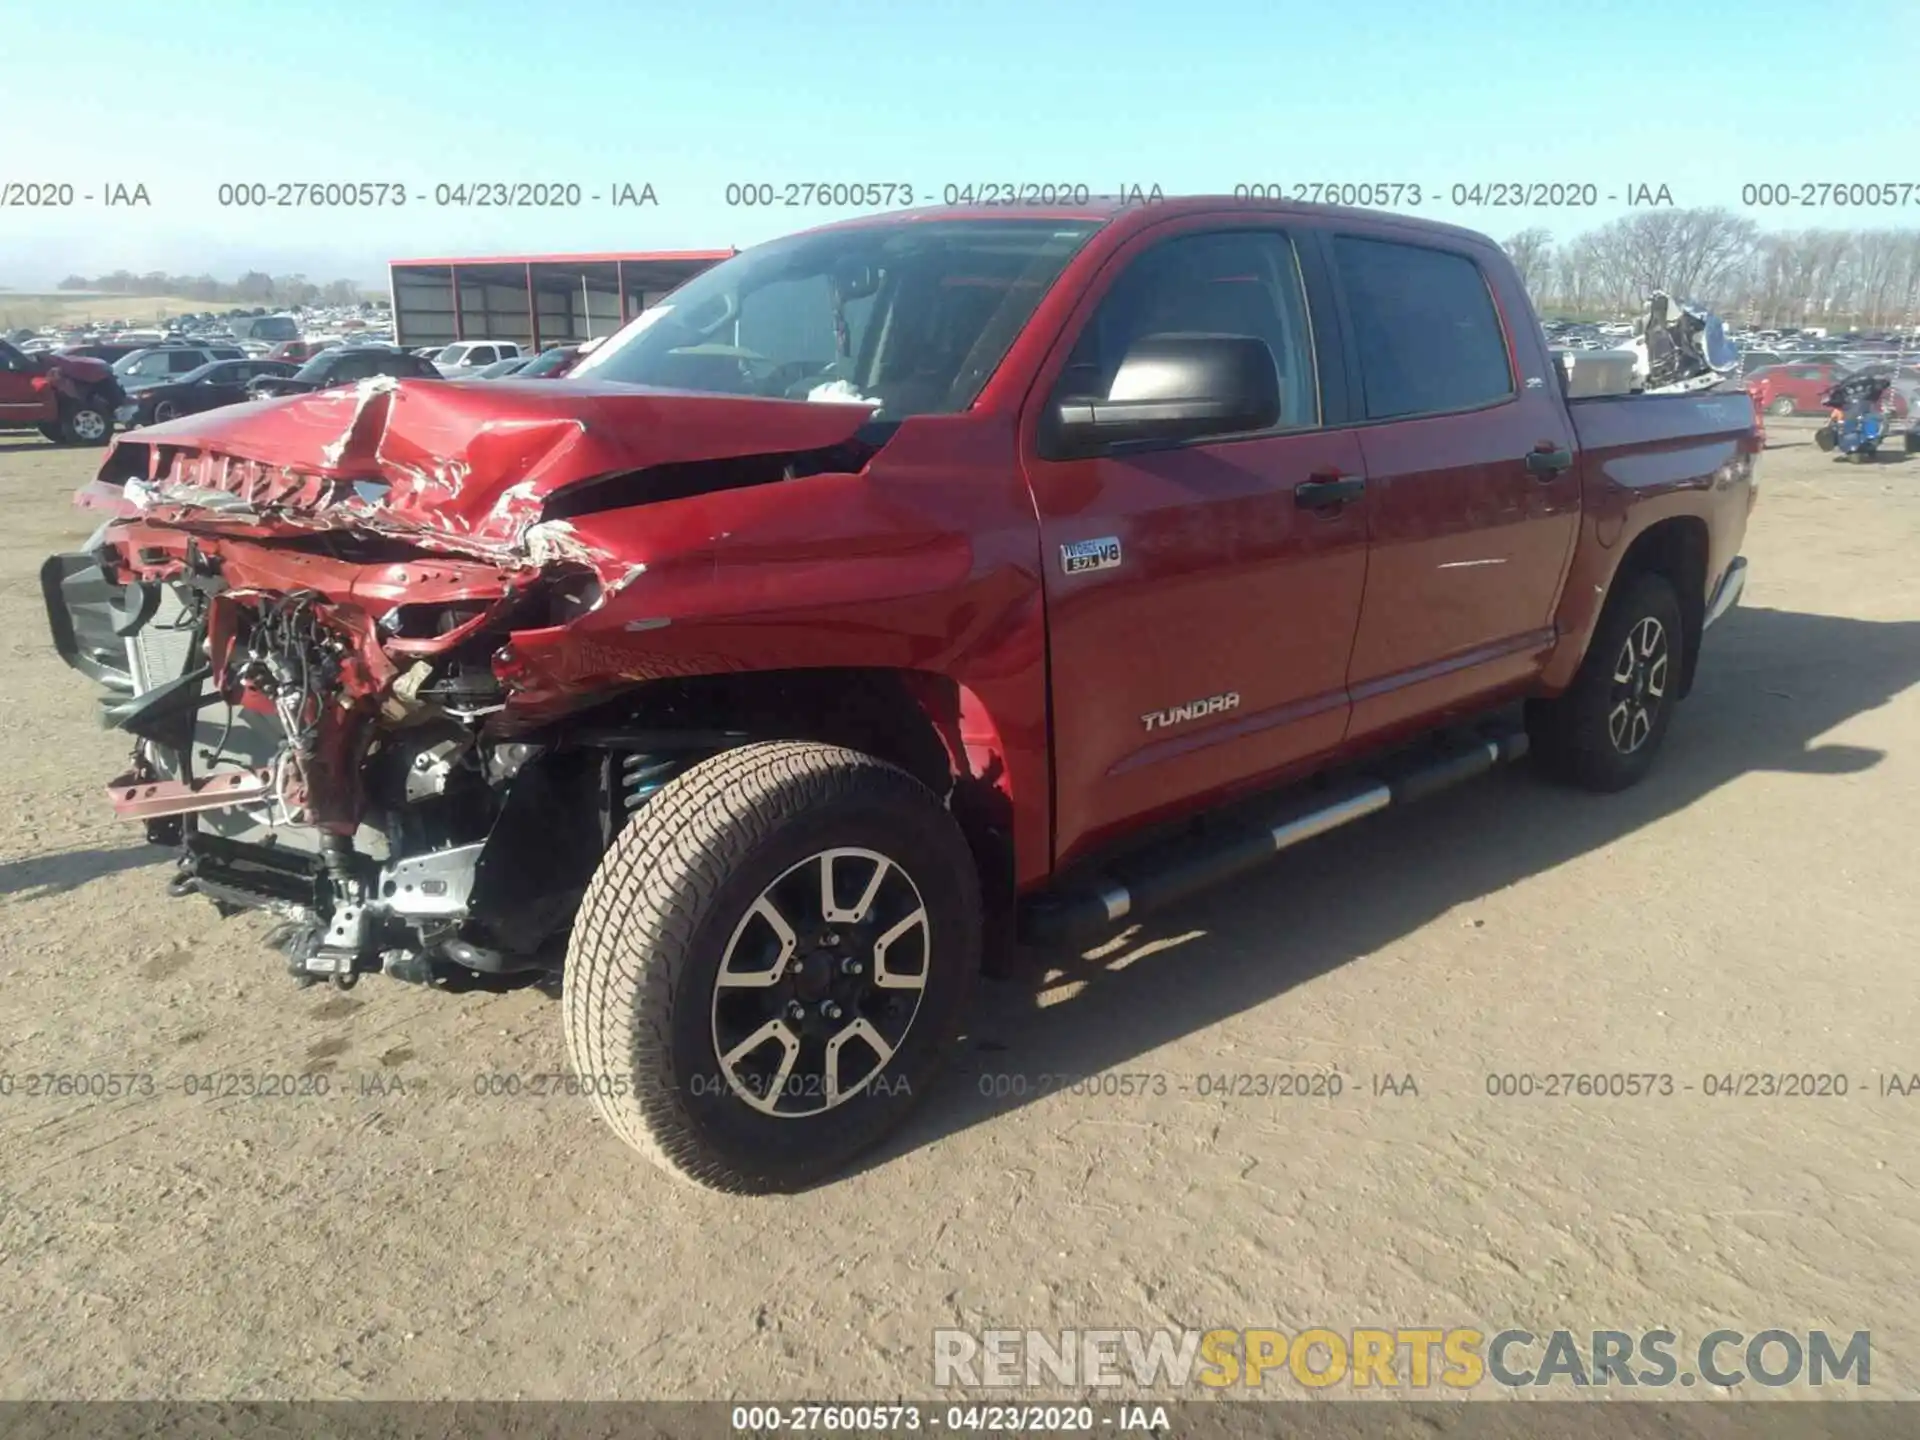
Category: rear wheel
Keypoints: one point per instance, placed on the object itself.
(1604, 732)
(771, 964)
(1781, 406)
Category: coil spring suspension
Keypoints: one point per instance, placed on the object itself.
(643, 776)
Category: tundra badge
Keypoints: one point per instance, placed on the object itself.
(1192, 710)
(1079, 556)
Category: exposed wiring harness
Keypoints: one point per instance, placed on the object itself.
(293, 660)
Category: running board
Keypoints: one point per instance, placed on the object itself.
(1130, 887)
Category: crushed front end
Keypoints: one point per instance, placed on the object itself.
(308, 654)
(309, 722)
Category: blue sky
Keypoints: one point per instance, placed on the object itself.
(1193, 96)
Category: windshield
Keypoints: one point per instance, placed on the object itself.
(909, 318)
(318, 368)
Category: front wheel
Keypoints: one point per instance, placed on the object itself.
(1781, 406)
(85, 422)
(1604, 732)
(771, 964)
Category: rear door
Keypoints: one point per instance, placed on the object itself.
(1472, 492)
(1199, 613)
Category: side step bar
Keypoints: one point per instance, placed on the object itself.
(1189, 864)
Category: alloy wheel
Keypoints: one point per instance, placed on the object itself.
(1639, 685)
(820, 982)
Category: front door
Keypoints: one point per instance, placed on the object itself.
(1200, 606)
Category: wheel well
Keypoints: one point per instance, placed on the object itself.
(1677, 550)
(929, 725)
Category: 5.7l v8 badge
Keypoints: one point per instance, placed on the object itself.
(1079, 556)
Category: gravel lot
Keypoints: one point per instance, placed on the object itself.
(1753, 907)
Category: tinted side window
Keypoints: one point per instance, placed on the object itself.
(1425, 326)
(1244, 282)
(181, 361)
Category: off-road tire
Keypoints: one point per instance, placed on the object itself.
(75, 427)
(653, 931)
(1570, 735)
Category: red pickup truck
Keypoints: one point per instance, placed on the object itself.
(70, 399)
(886, 594)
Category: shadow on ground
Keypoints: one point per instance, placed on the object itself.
(1771, 683)
(33, 876)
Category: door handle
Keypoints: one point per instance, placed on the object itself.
(1321, 491)
(1549, 462)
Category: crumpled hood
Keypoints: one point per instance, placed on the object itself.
(82, 367)
(470, 462)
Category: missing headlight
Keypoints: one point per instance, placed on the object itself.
(424, 622)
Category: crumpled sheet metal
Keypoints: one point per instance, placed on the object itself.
(465, 467)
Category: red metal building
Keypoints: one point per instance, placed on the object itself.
(533, 299)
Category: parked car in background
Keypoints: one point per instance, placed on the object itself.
(549, 364)
(70, 399)
(463, 357)
(299, 351)
(343, 365)
(223, 382)
(499, 370)
(271, 328)
(163, 362)
(1794, 389)
(110, 351)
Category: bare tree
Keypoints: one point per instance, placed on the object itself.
(1532, 254)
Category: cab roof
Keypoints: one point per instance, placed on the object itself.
(1129, 215)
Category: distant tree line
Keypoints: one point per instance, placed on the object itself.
(256, 287)
(1851, 278)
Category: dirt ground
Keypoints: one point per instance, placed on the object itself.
(1753, 907)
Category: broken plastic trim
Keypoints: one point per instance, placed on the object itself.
(680, 480)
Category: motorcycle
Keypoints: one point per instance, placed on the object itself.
(1856, 418)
